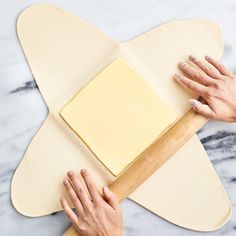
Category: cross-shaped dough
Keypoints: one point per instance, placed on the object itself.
(64, 53)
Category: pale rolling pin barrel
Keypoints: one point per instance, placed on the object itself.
(154, 157)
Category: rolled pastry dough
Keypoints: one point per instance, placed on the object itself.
(64, 53)
(118, 115)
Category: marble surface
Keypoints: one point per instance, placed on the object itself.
(22, 109)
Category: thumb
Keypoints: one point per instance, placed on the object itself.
(110, 198)
(202, 109)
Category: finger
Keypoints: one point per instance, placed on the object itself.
(110, 198)
(208, 69)
(80, 191)
(190, 84)
(73, 196)
(202, 109)
(220, 67)
(69, 212)
(91, 186)
(194, 74)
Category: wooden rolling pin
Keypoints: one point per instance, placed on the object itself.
(154, 157)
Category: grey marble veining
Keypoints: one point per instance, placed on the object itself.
(22, 109)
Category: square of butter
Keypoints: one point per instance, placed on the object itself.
(117, 115)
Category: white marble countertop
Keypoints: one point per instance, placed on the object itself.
(22, 109)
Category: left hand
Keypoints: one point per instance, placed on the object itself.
(97, 214)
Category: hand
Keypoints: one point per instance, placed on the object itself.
(214, 83)
(97, 214)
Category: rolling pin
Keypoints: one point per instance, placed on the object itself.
(153, 157)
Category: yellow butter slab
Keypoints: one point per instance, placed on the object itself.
(117, 115)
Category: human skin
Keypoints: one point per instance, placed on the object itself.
(212, 81)
(97, 213)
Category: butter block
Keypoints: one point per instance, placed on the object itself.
(117, 115)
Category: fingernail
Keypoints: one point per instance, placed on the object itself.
(182, 64)
(70, 173)
(83, 171)
(207, 57)
(192, 58)
(177, 76)
(65, 182)
(193, 102)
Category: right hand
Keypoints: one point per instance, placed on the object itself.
(215, 83)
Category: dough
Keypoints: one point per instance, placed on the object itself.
(118, 115)
(64, 53)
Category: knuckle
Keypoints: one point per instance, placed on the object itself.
(221, 86)
(97, 204)
(207, 94)
(90, 212)
(208, 70)
(69, 215)
(90, 185)
(74, 201)
(190, 85)
(201, 91)
(81, 227)
(189, 69)
(79, 190)
(215, 84)
(198, 74)
(86, 217)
